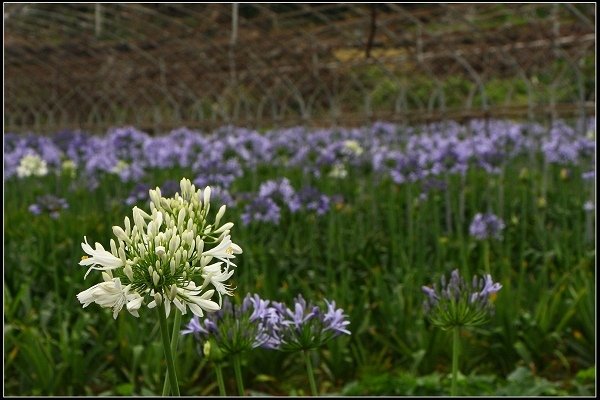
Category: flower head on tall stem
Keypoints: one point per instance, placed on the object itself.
(457, 304)
(306, 326)
(165, 257)
(236, 329)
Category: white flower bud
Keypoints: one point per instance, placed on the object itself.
(107, 275)
(199, 244)
(225, 227)
(127, 227)
(120, 233)
(138, 219)
(155, 196)
(144, 214)
(160, 251)
(220, 214)
(158, 299)
(122, 254)
(113, 248)
(173, 292)
(186, 188)
(150, 230)
(206, 201)
(173, 266)
(188, 237)
(180, 218)
(174, 244)
(178, 257)
(168, 221)
(165, 204)
(155, 278)
(159, 220)
(222, 235)
(128, 272)
(167, 235)
(142, 250)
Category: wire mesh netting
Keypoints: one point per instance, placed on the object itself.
(159, 66)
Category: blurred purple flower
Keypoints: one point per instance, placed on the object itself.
(486, 226)
(138, 194)
(261, 209)
(48, 204)
(312, 200)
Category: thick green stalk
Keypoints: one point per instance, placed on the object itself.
(310, 372)
(174, 342)
(220, 381)
(162, 318)
(237, 368)
(455, 353)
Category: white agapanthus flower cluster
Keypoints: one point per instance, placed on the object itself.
(32, 165)
(169, 256)
(352, 147)
(338, 171)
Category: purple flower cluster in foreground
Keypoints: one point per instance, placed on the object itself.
(486, 226)
(48, 204)
(270, 325)
(457, 303)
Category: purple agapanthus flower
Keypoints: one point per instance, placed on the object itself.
(458, 304)
(280, 191)
(306, 326)
(486, 226)
(138, 194)
(335, 319)
(312, 200)
(589, 175)
(261, 209)
(48, 204)
(235, 329)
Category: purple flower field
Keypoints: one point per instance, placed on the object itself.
(345, 233)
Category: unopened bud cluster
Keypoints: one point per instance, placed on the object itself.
(458, 304)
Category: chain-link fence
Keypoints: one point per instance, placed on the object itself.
(159, 66)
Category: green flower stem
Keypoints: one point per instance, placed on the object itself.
(174, 342)
(455, 353)
(486, 255)
(220, 381)
(310, 372)
(162, 318)
(238, 374)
